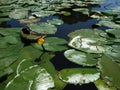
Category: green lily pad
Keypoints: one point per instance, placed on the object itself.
(43, 13)
(52, 44)
(6, 62)
(113, 10)
(7, 1)
(43, 28)
(79, 75)
(82, 10)
(19, 14)
(10, 39)
(10, 50)
(88, 40)
(55, 44)
(94, 1)
(4, 19)
(101, 85)
(39, 79)
(10, 31)
(87, 33)
(89, 45)
(110, 71)
(65, 13)
(113, 52)
(115, 32)
(55, 21)
(109, 24)
(80, 58)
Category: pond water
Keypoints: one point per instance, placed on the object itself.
(74, 21)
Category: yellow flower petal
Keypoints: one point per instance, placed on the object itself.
(40, 41)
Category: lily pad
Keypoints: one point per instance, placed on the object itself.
(82, 10)
(110, 71)
(10, 50)
(10, 39)
(89, 45)
(113, 52)
(87, 33)
(10, 31)
(113, 10)
(43, 28)
(109, 24)
(80, 58)
(39, 79)
(43, 13)
(52, 44)
(7, 1)
(79, 75)
(101, 85)
(18, 14)
(88, 40)
(115, 32)
(55, 21)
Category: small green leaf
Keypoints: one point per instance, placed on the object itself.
(82, 10)
(79, 75)
(55, 21)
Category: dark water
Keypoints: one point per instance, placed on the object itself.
(71, 23)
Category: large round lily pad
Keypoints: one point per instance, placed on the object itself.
(52, 44)
(79, 75)
(43, 28)
(87, 40)
(80, 58)
(39, 79)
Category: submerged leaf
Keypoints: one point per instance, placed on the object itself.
(79, 75)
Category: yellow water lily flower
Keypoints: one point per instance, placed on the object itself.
(41, 40)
